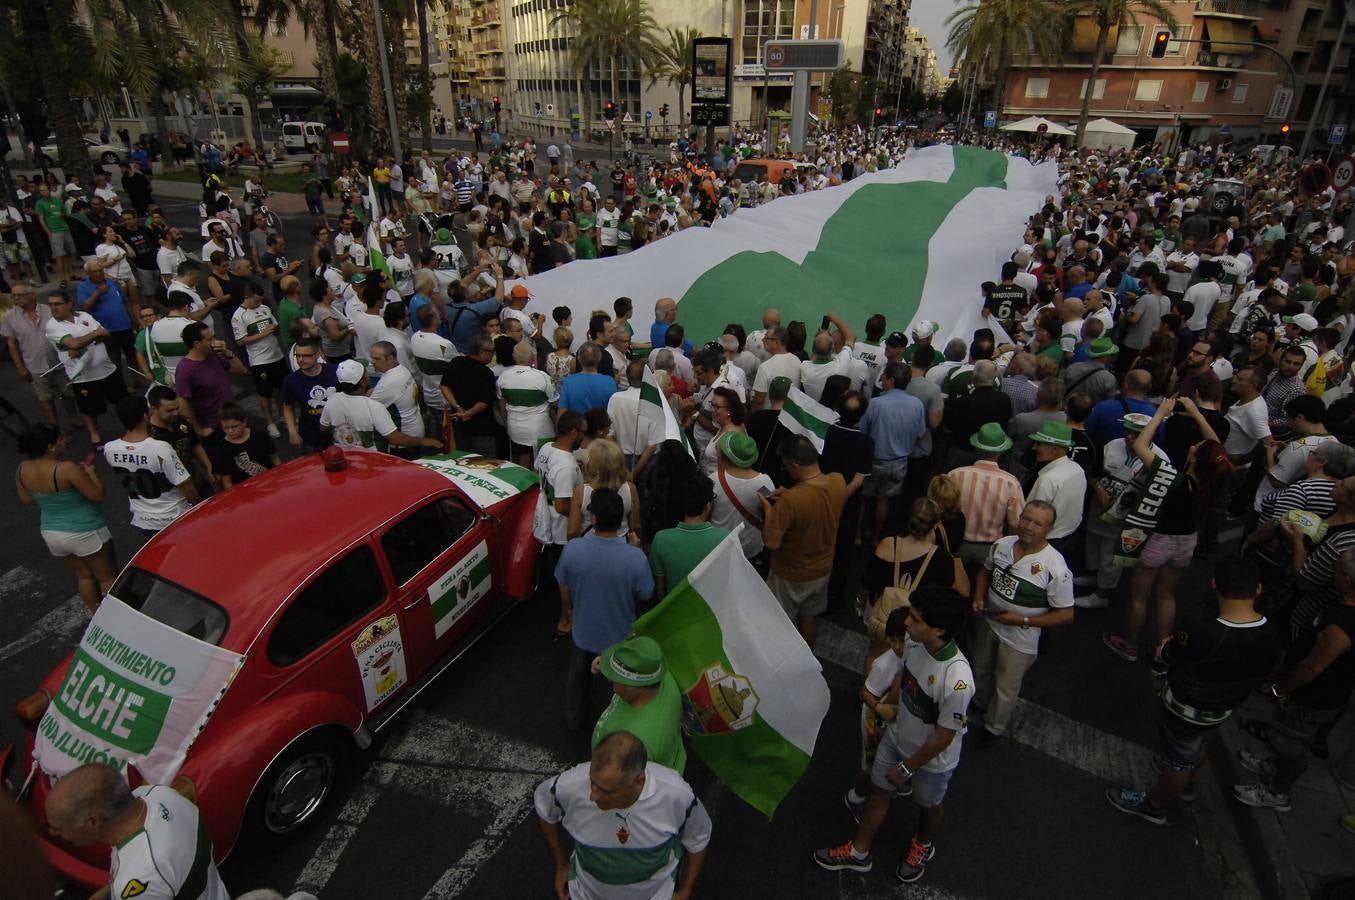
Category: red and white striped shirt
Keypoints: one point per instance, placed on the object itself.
(989, 498)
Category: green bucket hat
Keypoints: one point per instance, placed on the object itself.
(637, 662)
(359, 278)
(1060, 434)
(990, 438)
(443, 235)
(1136, 422)
(1102, 346)
(738, 448)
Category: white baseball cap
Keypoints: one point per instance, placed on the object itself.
(351, 371)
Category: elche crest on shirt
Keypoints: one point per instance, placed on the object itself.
(719, 702)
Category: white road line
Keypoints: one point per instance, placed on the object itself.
(1081, 746)
(65, 621)
(416, 762)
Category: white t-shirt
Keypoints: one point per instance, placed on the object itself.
(609, 222)
(249, 322)
(166, 343)
(448, 258)
(402, 270)
(9, 215)
(882, 673)
(167, 260)
(1177, 282)
(158, 861)
(726, 515)
(873, 355)
(628, 429)
(115, 260)
(92, 362)
(934, 692)
(1290, 465)
(357, 421)
(367, 330)
(432, 353)
(527, 394)
(1250, 423)
(1029, 586)
(151, 473)
(814, 373)
(1064, 484)
(781, 365)
(397, 389)
(559, 473)
(1203, 296)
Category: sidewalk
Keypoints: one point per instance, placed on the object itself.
(1303, 852)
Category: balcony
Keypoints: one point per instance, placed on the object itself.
(1241, 9)
(490, 19)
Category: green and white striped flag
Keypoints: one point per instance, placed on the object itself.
(377, 259)
(753, 693)
(654, 408)
(802, 414)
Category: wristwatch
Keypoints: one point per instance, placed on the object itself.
(1025, 621)
(903, 770)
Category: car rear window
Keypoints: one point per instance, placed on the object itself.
(746, 172)
(166, 602)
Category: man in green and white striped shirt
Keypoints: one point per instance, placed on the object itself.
(526, 396)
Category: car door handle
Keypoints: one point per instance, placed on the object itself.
(413, 603)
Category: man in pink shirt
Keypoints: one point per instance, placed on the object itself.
(990, 498)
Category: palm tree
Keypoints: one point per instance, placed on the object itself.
(673, 64)
(608, 31)
(1112, 14)
(46, 26)
(994, 30)
(317, 18)
(371, 60)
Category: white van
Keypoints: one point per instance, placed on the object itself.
(303, 135)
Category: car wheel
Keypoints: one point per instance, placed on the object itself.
(1220, 203)
(296, 789)
(109, 159)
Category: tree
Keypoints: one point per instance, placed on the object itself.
(673, 64)
(609, 31)
(255, 74)
(989, 32)
(44, 26)
(317, 18)
(1113, 14)
(952, 101)
(844, 89)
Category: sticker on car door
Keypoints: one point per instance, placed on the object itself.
(459, 588)
(380, 654)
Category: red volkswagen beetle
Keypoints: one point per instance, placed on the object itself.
(347, 585)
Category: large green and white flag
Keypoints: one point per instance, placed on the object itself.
(137, 692)
(753, 693)
(802, 414)
(376, 259)
(654, 409)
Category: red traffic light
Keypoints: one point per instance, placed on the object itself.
(1161, 38)
(1284, 129)
(879, 112)
(496, 98)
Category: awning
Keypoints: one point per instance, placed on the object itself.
(1227, 36)
(1084, 35)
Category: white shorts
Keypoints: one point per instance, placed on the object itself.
(76, 543)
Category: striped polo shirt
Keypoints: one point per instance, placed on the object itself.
(990, 499)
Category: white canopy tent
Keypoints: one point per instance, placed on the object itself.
(1031, 125)
(1103, 134)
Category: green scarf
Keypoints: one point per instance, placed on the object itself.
(1142, 521)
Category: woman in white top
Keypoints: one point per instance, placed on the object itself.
(112, 254)
(728, 413)
(605, 467)
(737, 486)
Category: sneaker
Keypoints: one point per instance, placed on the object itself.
(914, 862)
(1120, 647)
(1094, 600)
(1257, 764)
(273, 431)
(1187, 795)
(841, 858)
(854, 807)
(1348, 823)
(1135, 803)
(1260, 796)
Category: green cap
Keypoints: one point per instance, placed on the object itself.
(738, 448)
(359, 278)
(1060, 434)
(637, 662)
(779, 387)
(1135, 422)
(443, 235)
(1102, 346)
(990, 438)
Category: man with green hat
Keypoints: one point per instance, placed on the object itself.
(990, 497)
(1061, 483)
(447, 256)
(646, 701)
(1091, 377)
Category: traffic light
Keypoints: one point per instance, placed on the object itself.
(609, 111)
(663, 111)
(879, 112)
(1161, 38)
(496, 103)
(1284, 129)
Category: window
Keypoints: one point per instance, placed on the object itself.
(763, 21)
(1148, 90)
(1131, 38)
(1037, 88)
(1201, 92)
(171, 605)
(1098, 92)
(423, 535)
(1240, 93)
(337, 598)
(1179, 33)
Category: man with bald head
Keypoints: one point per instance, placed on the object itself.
(771, 320)
(665, 314)
(634, 815)
(1106, 422)
(1076, 283)
(159, 843)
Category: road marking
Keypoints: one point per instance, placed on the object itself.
(416, 763)
(65, 621)
(1106, 756)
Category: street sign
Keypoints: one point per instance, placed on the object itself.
(649, 114)
(339, 143)
(990, 119)
(1280, 101)
(1343, 176)
(626, 120)
(710, 114)
(809, 56)
(1338, 135)
(1226, 130)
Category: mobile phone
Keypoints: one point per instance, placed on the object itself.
(764, 491)
(823, 326)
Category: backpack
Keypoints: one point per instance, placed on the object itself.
(896, 596)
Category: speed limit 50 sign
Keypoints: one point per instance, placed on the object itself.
(1343, 175)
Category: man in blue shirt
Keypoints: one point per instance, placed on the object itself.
(894, 421)
(465, 319)
(665, 314)
(1106, 422)
(586, 389)
(602, 579)
(102, 298)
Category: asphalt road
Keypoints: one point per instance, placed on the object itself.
(440, 806)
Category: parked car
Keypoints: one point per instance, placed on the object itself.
(1272, 153)
(1224, 194)
(108, 154)
(772, 170)
(348, 581)
(303, 135)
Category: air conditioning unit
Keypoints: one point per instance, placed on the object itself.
(1225, 83)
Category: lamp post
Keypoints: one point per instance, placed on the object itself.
(386, 82)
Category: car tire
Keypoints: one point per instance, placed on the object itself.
(1221, 202)
(109, 159)
(295, 791)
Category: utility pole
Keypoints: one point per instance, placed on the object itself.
(386, 82)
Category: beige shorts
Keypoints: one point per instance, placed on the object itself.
(52, 386)
(800, 598)
(76, 543)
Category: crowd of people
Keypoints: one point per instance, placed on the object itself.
(1152, 369)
